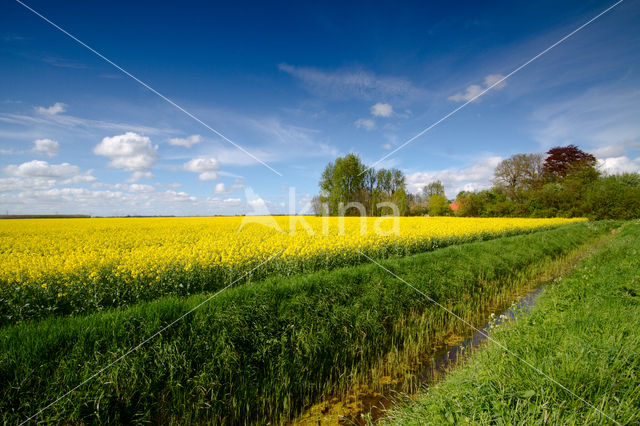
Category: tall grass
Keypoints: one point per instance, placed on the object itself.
(261, 351)
(583, 332)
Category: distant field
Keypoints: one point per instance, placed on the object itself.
(64, 266)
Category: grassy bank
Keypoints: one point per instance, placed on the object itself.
(583, 332)
(259, 351)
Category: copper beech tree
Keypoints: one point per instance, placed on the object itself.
(562, 160)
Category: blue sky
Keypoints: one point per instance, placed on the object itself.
(297, 84)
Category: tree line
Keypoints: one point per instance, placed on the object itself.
(563, 182)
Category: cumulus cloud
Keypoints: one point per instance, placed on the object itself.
(365, 123)
(474, 91)
(78, 179)
(381, 110)
(221, 188)
(136, 176)
(57, 108)
(186, 142)
(137, 187)
(130, 151)
(476, 177)
(42, 169)
(617, 165)
(46, 146)
(39, 175)
(206, 167)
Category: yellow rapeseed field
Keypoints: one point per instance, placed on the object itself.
(76, 266)
(143, 249)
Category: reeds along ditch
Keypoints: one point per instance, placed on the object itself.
(261, 351)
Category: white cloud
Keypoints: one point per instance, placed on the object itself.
(137, 187)
(206, 167)
(621, 164)
(42, 169)
(353, 83)
(365, 123)
(470, 93)
(492, 79)
(57, 108)
(78, 179)
(476, 177)
(186, 142)
(16, 184)
(39, 175)
(474, 90)
(257, 203)
(381, 110)
(136, 176)
(221, 188)
(130, 151)
(46, 146)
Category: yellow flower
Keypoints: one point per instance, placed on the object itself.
(78, 251)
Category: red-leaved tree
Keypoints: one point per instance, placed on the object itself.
(563, 159)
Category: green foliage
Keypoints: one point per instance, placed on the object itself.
(614, 197)
(580, 194)
(438, 205)
(434, 188)
(258, 352)
(342, 180)
(518, 174)
(583, 332)
(348, 180)
(570, 186)
(564, 184)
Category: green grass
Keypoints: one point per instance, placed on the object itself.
(263, 350)
(583, 332)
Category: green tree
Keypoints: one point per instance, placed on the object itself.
(614, 197)
(342, 181)
(438, 205)
(433, 188)
(518, 174)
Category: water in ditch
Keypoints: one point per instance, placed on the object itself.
(370, 405)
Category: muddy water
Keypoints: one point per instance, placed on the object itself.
(366, 404)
